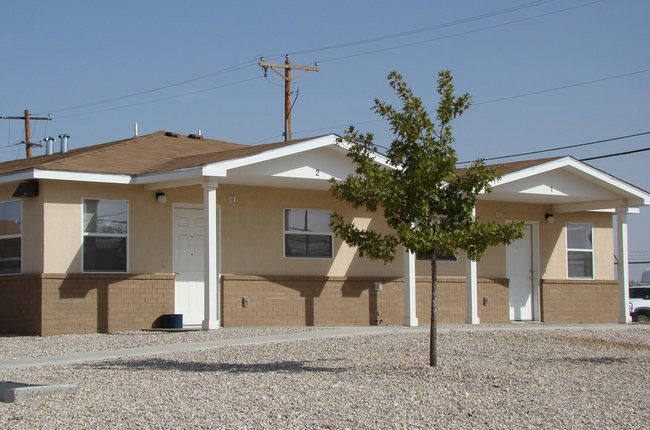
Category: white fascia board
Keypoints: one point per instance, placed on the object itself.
(589, 171)
(221, 168)
(62, 175)
(379, 158)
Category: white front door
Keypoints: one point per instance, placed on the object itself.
(519, 270)
(188, 263)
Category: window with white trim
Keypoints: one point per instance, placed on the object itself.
(580, 250)
(307, 234)
(11, 237)
(105, 235)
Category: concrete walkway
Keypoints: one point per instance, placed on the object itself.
(326, 333)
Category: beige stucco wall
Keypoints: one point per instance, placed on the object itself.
(252, 232)
(150, 236)
(552, 238)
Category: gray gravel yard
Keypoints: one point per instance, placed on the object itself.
(488, 378)
(14, 347)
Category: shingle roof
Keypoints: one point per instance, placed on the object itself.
(151, 153)
(515, 166)
(163, 151)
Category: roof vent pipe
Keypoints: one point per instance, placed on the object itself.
(199, 132)
(49, 141)
(135, 129)
(64, 142)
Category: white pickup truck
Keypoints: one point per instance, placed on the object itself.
(640, 303)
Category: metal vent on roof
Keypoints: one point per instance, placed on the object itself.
(195, 136)
(171, 134)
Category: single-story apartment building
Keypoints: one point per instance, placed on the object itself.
(110, 237)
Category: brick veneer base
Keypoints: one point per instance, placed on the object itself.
(48, 304)
(579, 301)
(321, 301)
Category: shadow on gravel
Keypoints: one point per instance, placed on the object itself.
(197, 366)
(590, 360)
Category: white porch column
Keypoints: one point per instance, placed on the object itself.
(211, 297)
(471, 287)
(410, 318)
(623, 275)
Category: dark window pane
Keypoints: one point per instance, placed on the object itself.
(295, 245)
(439, 257)
(580, 264)
(639, 293)
(10, 255)
(308, 245)
(579, 236)
(104, 254)
(319, 246)
(10, 218)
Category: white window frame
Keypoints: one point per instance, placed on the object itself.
(16, 236)
(593, 267)
(84, 235)
(310, 233)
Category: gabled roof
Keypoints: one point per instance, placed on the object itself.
(564, 182)
(506, 168)
(127, 156)
(157, 152)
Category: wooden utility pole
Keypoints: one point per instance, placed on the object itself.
(28, 143)
(287, 66)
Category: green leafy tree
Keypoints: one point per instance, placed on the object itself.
(426, 202)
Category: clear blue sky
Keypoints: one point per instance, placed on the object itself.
(70, 53)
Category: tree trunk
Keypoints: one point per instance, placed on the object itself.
(433, 335)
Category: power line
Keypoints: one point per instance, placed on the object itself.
(161, 98)
(615, 154)
(424, 29)
(577, 84)
(546, 90)
(153, 90)
(561, 147)
(463, 33)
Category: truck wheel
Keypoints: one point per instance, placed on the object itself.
(642, 319)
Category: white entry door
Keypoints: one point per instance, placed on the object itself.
(188, 263)
(519, 270)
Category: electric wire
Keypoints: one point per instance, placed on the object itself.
(546, 90)
(251, 63)
(577, 84)
(617, 154)
(161, 98)
(521, 154)
(153, 90)
(463, 33)
(424, 29)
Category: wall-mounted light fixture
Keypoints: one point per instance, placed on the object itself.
(231, 199)
(549, 218)
(161, 198)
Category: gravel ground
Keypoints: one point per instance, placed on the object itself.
(490, 378)
(15, 347)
